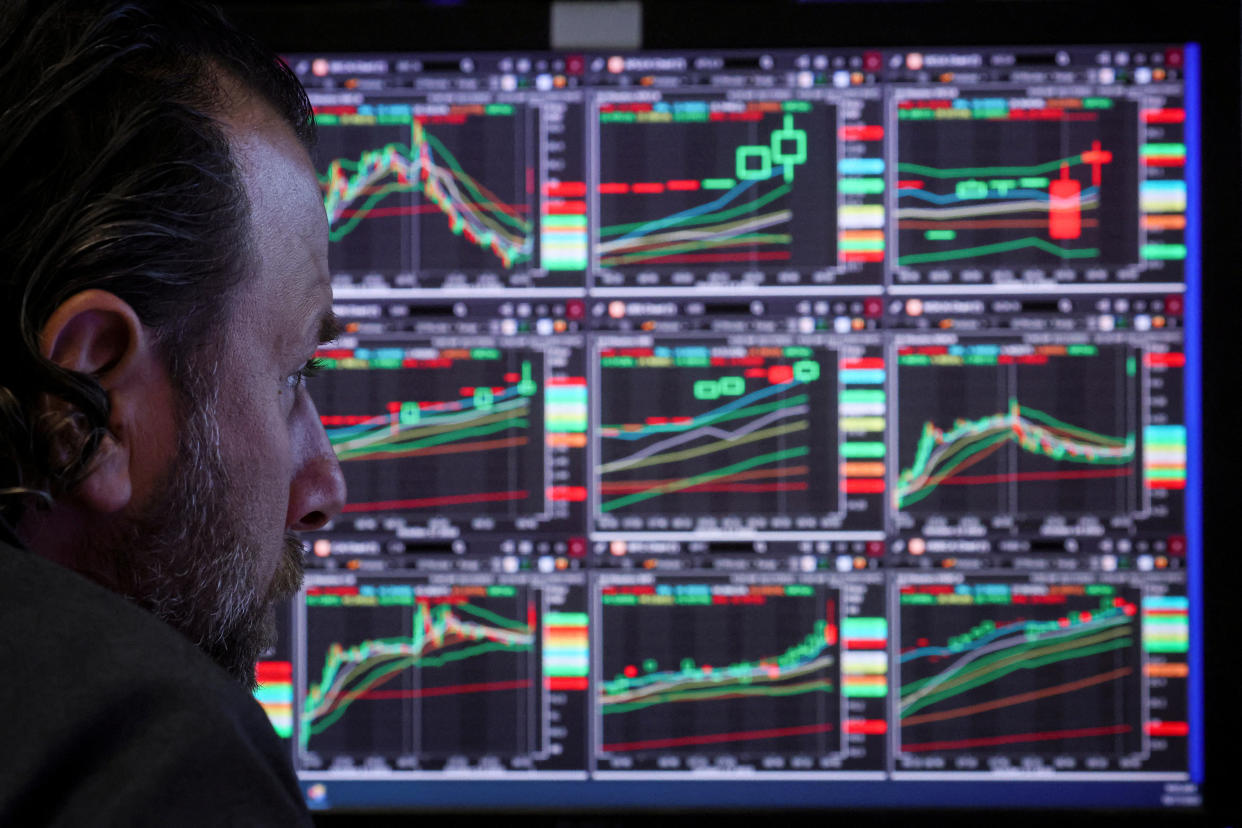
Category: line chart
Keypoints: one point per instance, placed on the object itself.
(484, 406)
(734, 435)
(941, 456)
(971, 441)
(753, 669)
(407, 192)
(707, 184)
(457, 675)
(995, 182)
(987, 665)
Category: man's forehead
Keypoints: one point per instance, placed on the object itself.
(289, 231)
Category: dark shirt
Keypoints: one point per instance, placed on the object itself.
(108, 716)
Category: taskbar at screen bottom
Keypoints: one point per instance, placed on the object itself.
(1168, 793)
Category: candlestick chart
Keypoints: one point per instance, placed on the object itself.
(995, 668)
(711, 668)
(399, 670)
(987, 428)
(426, 194)
(993, 182)
(429, 431)
(698, 433)
(693, 184)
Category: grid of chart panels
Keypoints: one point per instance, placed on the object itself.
(793, 416)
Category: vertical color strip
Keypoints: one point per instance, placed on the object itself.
(1191, 378)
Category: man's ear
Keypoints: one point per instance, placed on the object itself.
(98, 333)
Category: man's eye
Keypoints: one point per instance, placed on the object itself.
(312, 367)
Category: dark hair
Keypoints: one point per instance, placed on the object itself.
(118, 176)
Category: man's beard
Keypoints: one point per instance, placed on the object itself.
(186, 557)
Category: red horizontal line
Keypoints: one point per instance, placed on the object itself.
(1049, 475)
(565, 208)
(716, 738)
(648, 187)
(1167, 729)
(683, 184)
(382, 212)
(345, 419)
(983, 224)
(417, 209)
(451, 690)
(1168, 359)
(1015, 738)
(749, 487)
(269, 672)
(565, 189)
(1163, 116)
(613, 188)
(427, 502)
(565, 683)
(867, 727)
(691, 258)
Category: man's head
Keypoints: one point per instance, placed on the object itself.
(163, 284)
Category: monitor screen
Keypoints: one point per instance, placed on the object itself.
(756, 428)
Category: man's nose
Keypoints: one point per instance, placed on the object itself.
(317, 491)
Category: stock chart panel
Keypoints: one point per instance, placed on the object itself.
(1040, 185)
(444, 436)
(474, 187)
(408, 673)
(734, 189)
(744, 672)
(1070, 673)
(738, 434)
(1070, 438)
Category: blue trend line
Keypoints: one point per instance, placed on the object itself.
(462, 405)
(1011, 195)
(740, 402)
(741, 187)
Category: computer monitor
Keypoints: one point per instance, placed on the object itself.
(777, 427)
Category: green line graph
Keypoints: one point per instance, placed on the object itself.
(942, 455)
(1002, 247)
(982, 210)
(354, 189)
(691, 682)
(678, 485)
(441, 634)
(1116, 634)
(691, 215)
(965, 172)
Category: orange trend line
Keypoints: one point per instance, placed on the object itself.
(454, 448)
(1021, 698)
(935, 481)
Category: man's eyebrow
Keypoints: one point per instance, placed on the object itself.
(330, 327)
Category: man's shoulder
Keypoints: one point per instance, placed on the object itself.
(45, 603)
(57, 618)
(114, 700)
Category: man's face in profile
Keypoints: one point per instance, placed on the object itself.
(212, 549)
